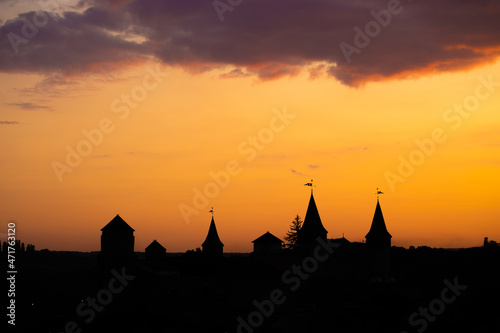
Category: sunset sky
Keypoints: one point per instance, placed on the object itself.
(159, 110)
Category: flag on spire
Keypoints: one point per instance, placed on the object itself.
(310, 184)
(379, 192)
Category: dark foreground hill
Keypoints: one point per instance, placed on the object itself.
(348, 290)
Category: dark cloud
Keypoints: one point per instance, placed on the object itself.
(9, 122)
(313, 166)
(268, 39)
(30, 106)
(93, 41)
(297, 172)
(58, 84)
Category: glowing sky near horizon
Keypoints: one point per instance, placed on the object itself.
(182, 108)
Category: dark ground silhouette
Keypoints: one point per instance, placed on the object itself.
(353, 290)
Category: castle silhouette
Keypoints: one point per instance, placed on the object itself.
(117, 239)
(359, 287)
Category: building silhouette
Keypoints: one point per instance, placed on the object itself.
(378, 236)
(212, 245)
(341, 241)
(155, 251)
(267, 244)
(117, 240)
(312, 228)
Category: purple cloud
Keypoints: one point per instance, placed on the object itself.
(235, 73)
(267, 39)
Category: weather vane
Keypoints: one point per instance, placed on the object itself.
(310, 184)
(379, 192)
(212, 211)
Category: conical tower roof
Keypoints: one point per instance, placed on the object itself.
(378, 229)
(117, 224)
(267, 238)
(155, 246)
(312, 226)
(212, 239)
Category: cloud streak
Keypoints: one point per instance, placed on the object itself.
(265, 39)
(297, 172)
(30, 106)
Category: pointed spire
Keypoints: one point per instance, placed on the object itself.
(312, 228)
(378, 235)
(212, 243)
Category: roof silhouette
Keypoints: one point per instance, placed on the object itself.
(342, 240)
(117, 224)
(212, 239)
(378, 229)
(312, 226)
(267, 238)
(155, 246)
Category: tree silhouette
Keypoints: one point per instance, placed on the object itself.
(291, 238)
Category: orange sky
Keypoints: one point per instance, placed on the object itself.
(149, 166)
(159, 111)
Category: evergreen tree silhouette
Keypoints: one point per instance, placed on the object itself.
(291, 238)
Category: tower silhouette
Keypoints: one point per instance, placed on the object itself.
(117, 240)
(212, 245)
(312, 228)
(378, 236)
(155, 251)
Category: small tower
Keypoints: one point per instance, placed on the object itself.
(212, 245)
(267, 244)
(378, 236)
(155, 251)
(312, 228)
(117, 240)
